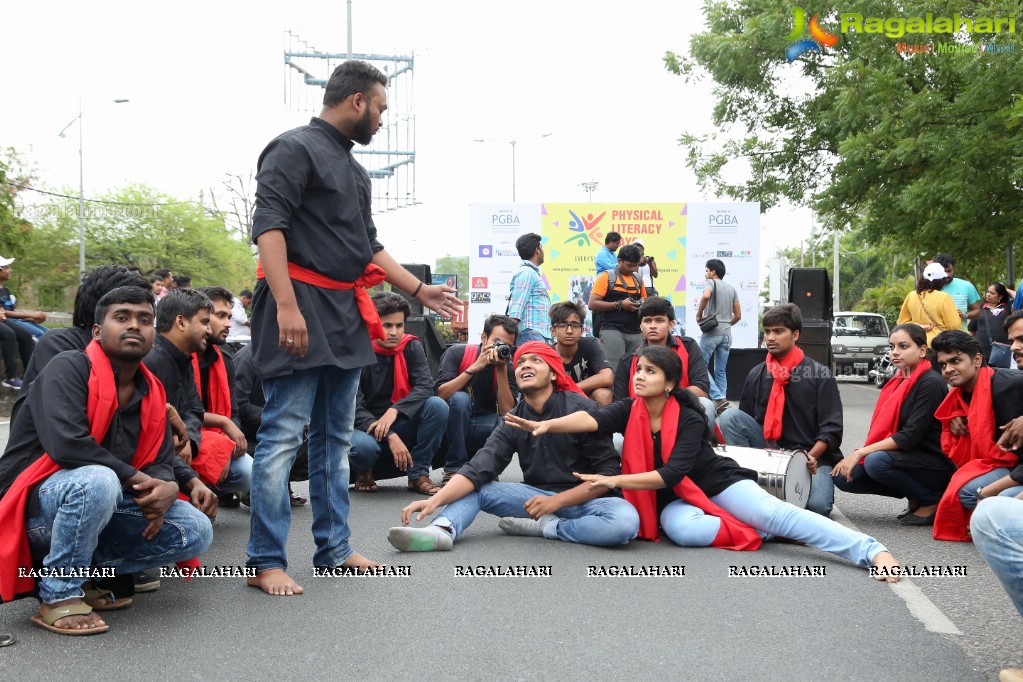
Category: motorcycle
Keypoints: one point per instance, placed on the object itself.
(882, 369)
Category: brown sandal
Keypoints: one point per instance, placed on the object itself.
(364, 482)
(423, 485)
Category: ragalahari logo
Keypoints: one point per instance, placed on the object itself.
(819, 38)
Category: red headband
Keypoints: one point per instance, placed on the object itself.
(562, 382)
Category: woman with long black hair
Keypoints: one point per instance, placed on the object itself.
(678, 484)
(989, 328)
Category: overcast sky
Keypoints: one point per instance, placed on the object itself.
(206, 83)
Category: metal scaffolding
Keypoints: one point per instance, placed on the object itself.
(391, 158)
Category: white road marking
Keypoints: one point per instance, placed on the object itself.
(922, 608)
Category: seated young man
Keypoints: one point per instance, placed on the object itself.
(551, 503)
(981, 402)
(215, 381)
(29, 320)
(656, 320)
(90, 481)
(399, 422)
(790, 402)
(617, 295)
(478, 383)
(582, 356)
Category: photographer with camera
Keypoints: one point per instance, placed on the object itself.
(617, 295)
(478, 383)
(647, 269)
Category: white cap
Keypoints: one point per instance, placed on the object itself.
(934, 271)
(4, 262)
(638, 241)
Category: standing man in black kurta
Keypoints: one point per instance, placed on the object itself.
(318, 254)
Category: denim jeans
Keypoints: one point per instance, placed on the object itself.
(531, 335)
(717, 347)
(467, 432)
(422, 436)
(997, 530)
(325, 397)
(239, 478)
(688, 526)
(968, 493)
(877, 474)
(743, 430)
(31, 327)
(85, 521)
(603, 522)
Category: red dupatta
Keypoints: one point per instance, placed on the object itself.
(781, 370)
(402, 385)
(215, 448)
(885, 420)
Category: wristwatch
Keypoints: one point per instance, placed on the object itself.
(980, 495)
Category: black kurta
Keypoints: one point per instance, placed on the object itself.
(174, 370)
(377, 383)
(481, 387)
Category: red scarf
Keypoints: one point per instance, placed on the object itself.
(215, 448)
(638, 457)
(781, 370)
(402, 386)
(562, 382)
(975, 453)
(101, 406)
(371, 276)
(683, 355)
(469, 357)
(885, 421)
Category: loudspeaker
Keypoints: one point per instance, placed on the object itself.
(810, 289)
(815, 340)
(741, 362)
(422, 272)
(433, 344)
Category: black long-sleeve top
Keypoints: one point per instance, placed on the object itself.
(691, 455)
(813, 407)
(206, 360)
(54, 420)
(697, 368)
(919, 433)
(482, 387)
(49, 345)
(377, 382)
(547, 461)
(1007, 399)
(174, 370)
(250, 394)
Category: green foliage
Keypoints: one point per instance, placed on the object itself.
(14, 230)
(920, 152)
(887, 298)
(458, 265)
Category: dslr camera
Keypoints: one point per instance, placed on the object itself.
(504, 351)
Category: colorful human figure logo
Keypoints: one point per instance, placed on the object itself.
(586, 227)
(819, 38)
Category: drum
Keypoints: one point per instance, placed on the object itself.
(782, 473)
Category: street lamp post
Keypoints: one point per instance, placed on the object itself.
(590, 188)
(512, 143)
(81, 184)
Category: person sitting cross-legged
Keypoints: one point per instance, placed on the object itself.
(89, 479)
(399, 422)
(551, 503)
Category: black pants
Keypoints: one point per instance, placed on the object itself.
(14, 337)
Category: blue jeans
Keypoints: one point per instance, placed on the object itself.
(531, 335)
(467, 432)
(877, 474)
(85, 521)
(603, 522)
(325, 397)
(688, 526)
(421, 435)
(743, 430)
(239, 478)
(997, 530)
(717, 347)
(968, 493)
(33, 328)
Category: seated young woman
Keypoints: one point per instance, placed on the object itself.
(680, 485)
(902, 456)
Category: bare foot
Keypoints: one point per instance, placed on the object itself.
(360, 563)
(888, 567)
(276, 582)
(88, 621)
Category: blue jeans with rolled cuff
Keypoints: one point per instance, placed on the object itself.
(422, 436)
(467, 432)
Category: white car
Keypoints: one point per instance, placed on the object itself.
(856, 339)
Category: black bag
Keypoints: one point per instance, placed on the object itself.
(708, 323)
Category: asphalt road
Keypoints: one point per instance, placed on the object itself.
(434, 624)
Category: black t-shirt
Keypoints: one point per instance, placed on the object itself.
(481, 387)
(691, 456)
(310, 187)
(697, 368)
(377, 383)
(588, 361)
(48, 347)
(919, 433)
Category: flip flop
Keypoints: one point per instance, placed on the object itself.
(423, 485)
(47, 622)
(6, 640)
(94, 594)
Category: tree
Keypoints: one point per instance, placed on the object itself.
(238, 200)
(14, 228)
(458, 265)
(921, 151)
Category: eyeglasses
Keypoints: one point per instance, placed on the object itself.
(562, 326)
